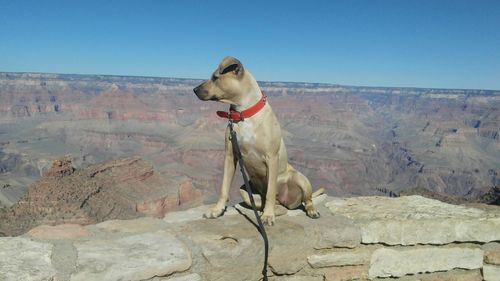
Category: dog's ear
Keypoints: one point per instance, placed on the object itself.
(230, 64)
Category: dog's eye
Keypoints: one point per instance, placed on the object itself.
(214, 77)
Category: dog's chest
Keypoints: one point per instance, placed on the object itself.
(248, 140)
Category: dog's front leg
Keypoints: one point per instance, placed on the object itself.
(229, 167)
(272, 165)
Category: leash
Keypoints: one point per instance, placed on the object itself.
(262, 230)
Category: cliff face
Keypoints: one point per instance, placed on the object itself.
(350, 140)
(124, 188)
(363, 238)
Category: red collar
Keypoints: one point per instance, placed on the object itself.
(237, 116)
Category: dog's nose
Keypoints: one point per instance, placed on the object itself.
(195, 90)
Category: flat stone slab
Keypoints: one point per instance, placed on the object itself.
(329, 231)
(144, 224)
(230, 247)
(296, 278)
(401, 208)
(491, 272)
(57, 232)
(358, 257)
(23, 259)
(194, 214)
(335, 232)
(411, 220)
(492, 253)
(396, 263)
(183, 277)
(187, 215)
(135, 257)
(344, 273)
(189, 277)
(286, 256)
(431, 231)
(453, 275)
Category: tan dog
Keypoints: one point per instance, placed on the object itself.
(271, 176)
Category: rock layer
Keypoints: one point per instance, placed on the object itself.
(339, 259)
(491, 273)
(397, 263)
(415, 220)
(431, 231)
(23, 259)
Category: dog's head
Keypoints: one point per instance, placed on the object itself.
(226, 84)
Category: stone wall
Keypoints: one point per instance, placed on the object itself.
(363, 238)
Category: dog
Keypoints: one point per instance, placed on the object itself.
(272, 178)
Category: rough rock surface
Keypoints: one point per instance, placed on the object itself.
(62, 231)
(187, 215)
(414, 220)
(396, 263)
(345, 273)
(23, 259)
(184, 246)
(130, 226)
(453, 275)
(189, 277)
(135, 257)
(120, 189)
(492, 253)
(338, 258)
(402, 208)
(296, 278)
(429, 231)
(491, 273)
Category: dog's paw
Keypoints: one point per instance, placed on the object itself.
(214, 212)
(313, 214)
(268, 218)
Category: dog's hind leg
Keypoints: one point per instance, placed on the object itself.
(278, 208)
(298, 180)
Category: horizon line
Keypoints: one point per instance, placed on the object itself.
(263, 81)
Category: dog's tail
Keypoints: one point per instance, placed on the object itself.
(318, 192)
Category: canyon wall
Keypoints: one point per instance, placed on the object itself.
(124, 188)
(349, 140)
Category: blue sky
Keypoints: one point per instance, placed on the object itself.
(425, 43)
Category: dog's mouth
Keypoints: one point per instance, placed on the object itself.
(203, 94)
(212, 98)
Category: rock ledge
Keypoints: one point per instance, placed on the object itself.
(363, 238)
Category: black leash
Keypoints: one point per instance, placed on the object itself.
(262, 230)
